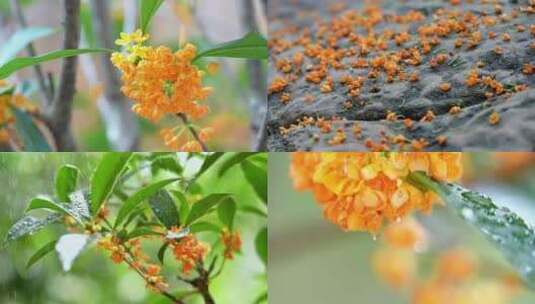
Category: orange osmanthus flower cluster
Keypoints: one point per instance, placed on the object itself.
(232, 242)
(189, 251)
(358, 191)
(6, 116)
(162, 82)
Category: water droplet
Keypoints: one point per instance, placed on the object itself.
(468, 213)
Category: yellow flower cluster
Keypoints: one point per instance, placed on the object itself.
(358, 191)
(159, 81)
(189, 251)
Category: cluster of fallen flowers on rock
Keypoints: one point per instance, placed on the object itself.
(355, 53)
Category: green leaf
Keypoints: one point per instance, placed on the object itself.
(202, 207)
(29, 225)
(256, 174)
(234, 160)
(105, 178)
(252, 46)
(66, 180)
(227, 212)
(184, 205)
(168, 163)
(203, 227)
(147, 10)
(208, 163)
(253, 210)
(161, 253)
(142, 231)
(134, 200)
(263, 298)
(45, 203)
(41, 253)
(18, 41)
(507, 230)
(32, 138)
(261, 245)
(164, 208)
(23, 62)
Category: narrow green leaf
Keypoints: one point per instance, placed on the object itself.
(252, 46)
(167, 163)
(202, 207)
(105, 177)
(208, 163)
(261, 245)
(148, 9)
(161, 253)
(45, 203)
(30, 225)
(31, 136)
(253, 210)
(23, 62)
(234, 160)
(203, 227)
(164, 208)
(41, 253)
(134, 200)
(142, 231)
(227, 212)
(507, 230)
(263, 298)
(256, 174)
(18, 41)
(66, 180)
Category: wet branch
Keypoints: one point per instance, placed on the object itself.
(201, 283)
(59, 115)
(47, 91)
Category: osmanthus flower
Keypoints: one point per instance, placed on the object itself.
(232, 242)
(161, 81)
(359, 191)
(189, 251)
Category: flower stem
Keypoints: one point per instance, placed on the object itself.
(193, 132)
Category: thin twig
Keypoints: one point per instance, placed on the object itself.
(59, 115)
(47, 91)
(192, 130)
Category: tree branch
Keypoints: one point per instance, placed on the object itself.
(185, 120)
(121, 124)
(201, 283)
(59, 115)
(41, 79)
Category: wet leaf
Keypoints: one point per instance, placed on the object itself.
(205, 205)
(45, 203)
(164, 208)
(105, 177)
(29, 225)
(256, 174)
(66, 180)
(41, 253)
(137, 198)
(208, 163)
(252, 46)
(234, 160)
(69, 247)
(142, 231)
(184, 205)
(505, 229)
(168, 163)
(79, 204)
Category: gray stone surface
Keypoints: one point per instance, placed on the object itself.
(469, 130)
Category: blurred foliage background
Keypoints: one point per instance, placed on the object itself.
(313, 261)
(239, 93)
(94, 278)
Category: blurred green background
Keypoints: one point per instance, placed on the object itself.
(94, 278)
(313, 261)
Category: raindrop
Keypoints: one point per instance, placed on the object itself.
(468, 214)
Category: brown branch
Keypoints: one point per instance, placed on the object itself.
(192, 130)
(59, 115)
(201, 283)
(41, 79)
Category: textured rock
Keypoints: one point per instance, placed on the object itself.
(468, 130)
